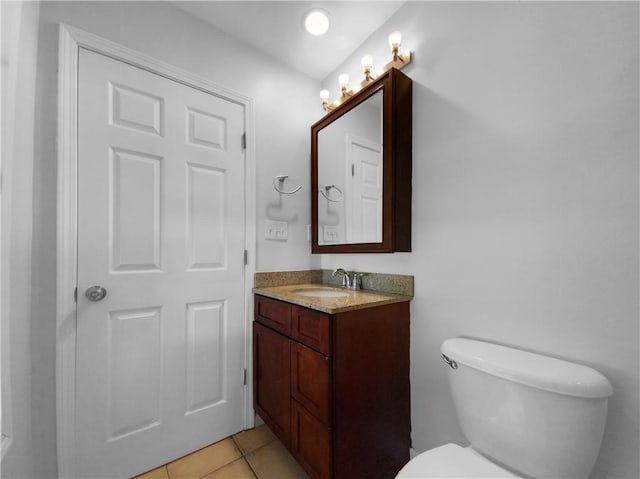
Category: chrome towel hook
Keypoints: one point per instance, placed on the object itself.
(278, 185)
(326, 193)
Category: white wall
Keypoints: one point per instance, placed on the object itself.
(525, 203)
(284, 102)
(19, 54)
(525, 191)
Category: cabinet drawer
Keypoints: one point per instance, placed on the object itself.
(310, 442)
(273, 313)
(311, 328)
(310, 381)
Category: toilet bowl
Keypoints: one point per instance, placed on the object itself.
(524, 414)
(451, 461)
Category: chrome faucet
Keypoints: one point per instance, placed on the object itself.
(345, 277)
(350, 280)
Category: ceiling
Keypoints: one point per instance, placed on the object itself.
(276, 28)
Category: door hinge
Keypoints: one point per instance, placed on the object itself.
(75, 295)
(244, 377)
(243, 141)
(353, 169)
(246, 257)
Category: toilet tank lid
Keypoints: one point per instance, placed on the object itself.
(531, 369)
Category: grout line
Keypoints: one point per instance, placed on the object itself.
(255, 473)
(230, 462)
(254, 451)
(237, 445)
(244, 456)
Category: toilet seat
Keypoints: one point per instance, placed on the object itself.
(451, 461)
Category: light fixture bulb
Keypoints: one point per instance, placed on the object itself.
(316, 22)
(395, 39)
(324, 96)
(344, 85)
(367, 63)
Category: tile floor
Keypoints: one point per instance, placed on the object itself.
(252, 454)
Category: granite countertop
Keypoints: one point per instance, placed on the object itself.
(345, 299)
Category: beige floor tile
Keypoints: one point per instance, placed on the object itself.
(159, 473)
(274, 461)
(252, 439)
(236, 470)
(204, 461)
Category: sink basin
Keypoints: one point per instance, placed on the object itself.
(322, 293)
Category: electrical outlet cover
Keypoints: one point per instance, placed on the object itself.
(331, 234)
(276, 230)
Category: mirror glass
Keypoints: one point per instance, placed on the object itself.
(350, 176)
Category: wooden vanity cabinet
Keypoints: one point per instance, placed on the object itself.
(272, 373)
(346, 392)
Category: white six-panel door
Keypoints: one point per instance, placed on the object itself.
(363, 190)
(161, 228)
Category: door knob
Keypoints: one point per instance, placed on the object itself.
(95, 293)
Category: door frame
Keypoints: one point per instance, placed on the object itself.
(71, 39)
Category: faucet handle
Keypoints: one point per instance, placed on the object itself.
(356, 280)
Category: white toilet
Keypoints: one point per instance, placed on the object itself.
(525, 415)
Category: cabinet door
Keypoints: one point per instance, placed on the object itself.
(310, 442)
(310, 384)
(271, 373)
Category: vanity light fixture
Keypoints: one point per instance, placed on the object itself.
(324, 96)
(316, 22)
(367, 63)
(398, 61)
(395, 39)
(344, 85)
(343, 80)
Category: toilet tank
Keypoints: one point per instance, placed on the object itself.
(539, 416)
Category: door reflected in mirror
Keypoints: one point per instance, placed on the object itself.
(350, 167)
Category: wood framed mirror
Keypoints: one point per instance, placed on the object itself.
(361, 171)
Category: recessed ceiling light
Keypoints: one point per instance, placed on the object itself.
(316, 22)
